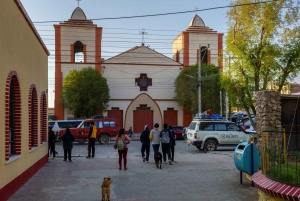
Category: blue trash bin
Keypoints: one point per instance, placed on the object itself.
(243, 160)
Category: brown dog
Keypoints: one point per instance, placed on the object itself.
(158, 159)
(106, 188)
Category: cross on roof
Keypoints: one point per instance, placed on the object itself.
(196, 9)
(143, 82)
(78, 2)
(143, 33)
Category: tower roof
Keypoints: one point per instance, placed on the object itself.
(78, 14)
(197, 21)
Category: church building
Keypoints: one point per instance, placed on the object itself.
(140, 80)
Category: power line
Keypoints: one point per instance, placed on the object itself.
(172, 13)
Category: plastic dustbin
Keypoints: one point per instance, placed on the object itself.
(246, 158)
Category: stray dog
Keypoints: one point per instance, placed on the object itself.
(158, 159)
(106, 188)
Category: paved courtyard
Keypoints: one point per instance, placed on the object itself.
(195, 176)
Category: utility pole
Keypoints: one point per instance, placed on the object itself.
(199, 80)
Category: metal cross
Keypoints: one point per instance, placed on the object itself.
(196, 9)
(78, 2)
(143, 33)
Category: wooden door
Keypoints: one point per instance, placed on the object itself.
(170, 117)
(142, 118)
(118, 114)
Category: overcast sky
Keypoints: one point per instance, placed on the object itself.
(120, 35)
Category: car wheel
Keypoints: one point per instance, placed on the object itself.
(103, 139)
(81, 141)
(210, 145)
(199, 147)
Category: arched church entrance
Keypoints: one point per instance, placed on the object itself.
(142, 111)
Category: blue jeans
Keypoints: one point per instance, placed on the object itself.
(155, 148)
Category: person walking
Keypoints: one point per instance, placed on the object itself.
(92, 140)
(68, 139)
(130, 132)
(166, 140)
(145, 140)
(172, 144)
(121, 143)
(51, 142)
(155, 138)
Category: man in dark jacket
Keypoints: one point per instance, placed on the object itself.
(51, 142)
(144, 138)
(166, 141)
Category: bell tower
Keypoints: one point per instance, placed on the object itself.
(77, 45)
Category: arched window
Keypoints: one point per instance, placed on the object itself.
(79, 52)
(33, 117)
(43, 118)
(12, 116)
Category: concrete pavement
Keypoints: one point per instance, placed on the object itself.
(195, 176)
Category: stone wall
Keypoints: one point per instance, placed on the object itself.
(268, 113)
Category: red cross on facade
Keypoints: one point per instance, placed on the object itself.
(143, 82)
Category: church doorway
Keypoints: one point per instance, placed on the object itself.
(117, 114)
(142, 116)
(170, 117)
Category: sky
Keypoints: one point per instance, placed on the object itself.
(119, 35)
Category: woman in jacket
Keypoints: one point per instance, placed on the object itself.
(68, 139)
(122, 151)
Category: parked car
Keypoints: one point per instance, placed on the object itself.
(178, 132)
(106, 128)
(184, 130)
(63, 124)
(208, 134)
(248, 126)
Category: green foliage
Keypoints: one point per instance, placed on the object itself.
(264, 48)
(186, 90)
(85, 92)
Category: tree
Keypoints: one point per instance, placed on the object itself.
(186, 88)
(264, 48)
(85, 92)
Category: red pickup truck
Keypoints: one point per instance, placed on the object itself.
(106, 128)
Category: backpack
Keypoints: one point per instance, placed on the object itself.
(165, 138)
(120, 145)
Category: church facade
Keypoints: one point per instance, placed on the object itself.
(140, 80)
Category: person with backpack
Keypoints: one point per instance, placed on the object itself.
(166, 139)
(92, 140)
(172, 145)
(145, 140)
(121, 143)
(155, 138)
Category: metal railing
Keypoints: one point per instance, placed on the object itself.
(280, 156)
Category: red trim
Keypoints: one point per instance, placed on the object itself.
(27, 18)
(58, 109)
(13, 81)
(98, 37)
(9, 189)
(43, 117)
(275, 188)
(33, 105)
(186, 49)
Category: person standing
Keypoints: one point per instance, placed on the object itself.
(130, 132)
(121, 143)
(155, 138)
(51, 142)
(92, 140)
(68, 139)
(145, 140)
(172, 145)
(166, 140)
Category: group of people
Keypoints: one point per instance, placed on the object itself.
(68, 139)
(165, 137)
